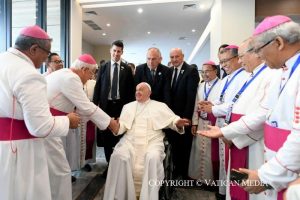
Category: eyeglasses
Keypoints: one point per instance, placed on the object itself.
(57, 61)
(226, 60)
(247, 51)
(257, 50)
(47, 51)
(206, 71)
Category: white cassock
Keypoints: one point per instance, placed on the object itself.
(220, 109)
(138, 157)
(65, 92)
(282, 131)
(201, 163)
(293, 192)
(24, 174)
(249, 101)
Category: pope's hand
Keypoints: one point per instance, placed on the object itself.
(212, 132)
(114, 126)
(74, 120)
(182, 122)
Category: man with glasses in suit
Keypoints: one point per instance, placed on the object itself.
(53, 63)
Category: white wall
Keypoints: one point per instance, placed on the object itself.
(75, 31)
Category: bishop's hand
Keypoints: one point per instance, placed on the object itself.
(212, 132)
(182, 123)
(114, 126)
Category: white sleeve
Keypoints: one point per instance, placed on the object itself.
(73, 90)
(284, 167)
(221, 109)
(30, 92)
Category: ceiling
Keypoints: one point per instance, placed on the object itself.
(170, 23)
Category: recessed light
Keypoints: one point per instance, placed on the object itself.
(201, 6)
(148, 32)
(104, 34)
(193, 30)
(140, 10)
(108, 24)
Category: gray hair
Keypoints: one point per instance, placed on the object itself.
(233, 52)
(156, 49)
(289, 31)
(78, 64)
(25, 42)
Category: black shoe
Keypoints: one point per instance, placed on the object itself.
(104, 174)
(220, 196)
(74, 179)
(87, 168)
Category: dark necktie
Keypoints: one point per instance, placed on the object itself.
(114, 85)
(174, 78)
(153, 74)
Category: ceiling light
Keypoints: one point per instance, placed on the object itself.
(148, 32)
(108, 24)
(193, 30)
(104, 34)
(140, 10)
(201, 6)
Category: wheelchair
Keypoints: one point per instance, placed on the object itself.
(165, 191)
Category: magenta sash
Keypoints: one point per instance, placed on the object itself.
(275, 137)
(56, 112)
(239, 159)
(19, 130)
(214, 149)
(90, 139)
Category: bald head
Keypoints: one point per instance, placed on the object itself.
(176, 57)
(143, 92)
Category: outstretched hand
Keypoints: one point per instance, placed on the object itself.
(182, 122)
(253, 185)
(212, 132)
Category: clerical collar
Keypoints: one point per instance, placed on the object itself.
(20, 55)
(144, 103)
(212, 81)
(290, 62)
(257, 68)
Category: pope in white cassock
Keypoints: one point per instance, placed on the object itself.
(137, 160)
(204, 158)
(25, 119)
(65, 92)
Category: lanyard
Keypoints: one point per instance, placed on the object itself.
(206, 93)
(247, 84)
(228, 83)
(291, 73)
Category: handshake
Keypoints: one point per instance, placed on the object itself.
(114, 126)
(74, 118)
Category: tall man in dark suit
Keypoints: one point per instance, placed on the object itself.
(114, 88)
(184, 83)
(156, 75)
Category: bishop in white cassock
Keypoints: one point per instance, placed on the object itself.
(204, 158)
(65, 92)
(277, 41)
(230, 85)
(137, 159)
(248, 151)
(25, 119)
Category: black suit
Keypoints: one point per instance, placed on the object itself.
(183, 94)
(112, 107)
(160, 85)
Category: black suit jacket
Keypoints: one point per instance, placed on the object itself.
(183, 94)
(103, 85)
(160, 87)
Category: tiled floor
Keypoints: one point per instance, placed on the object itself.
(81, 186)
